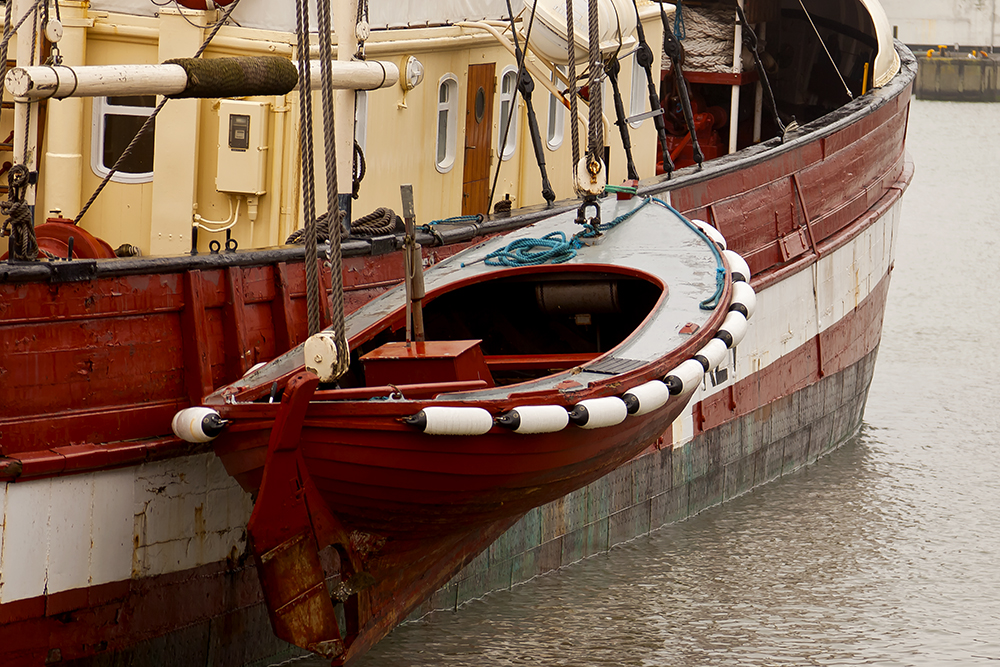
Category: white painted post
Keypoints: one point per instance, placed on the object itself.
(175, 160)
(63, 174)
(344, 24)
(734, 108)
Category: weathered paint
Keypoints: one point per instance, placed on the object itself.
(109, 526)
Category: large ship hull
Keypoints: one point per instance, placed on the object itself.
(114, 564)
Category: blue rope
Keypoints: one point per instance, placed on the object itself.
(556, 248)
(680, 31)
(720, 268)
(452, 220)
(456, 219)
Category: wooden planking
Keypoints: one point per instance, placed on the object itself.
(194, 325)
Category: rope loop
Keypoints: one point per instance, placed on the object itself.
(554, 248)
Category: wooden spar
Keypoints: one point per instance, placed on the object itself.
(414, 264)
(43, 82)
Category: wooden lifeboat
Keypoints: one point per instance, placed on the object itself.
(532, 382)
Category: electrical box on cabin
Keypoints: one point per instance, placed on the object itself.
(242, 147)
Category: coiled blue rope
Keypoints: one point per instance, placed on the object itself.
(556, 248)
(720, 268)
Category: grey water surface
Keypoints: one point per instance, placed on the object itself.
(884, 553)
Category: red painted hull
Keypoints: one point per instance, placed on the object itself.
(100, 366)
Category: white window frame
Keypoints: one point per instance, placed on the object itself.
(555, 125)
(507, 150)
(450, 138)
(638, 99)
(101, 109)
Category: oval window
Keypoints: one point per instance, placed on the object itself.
(480, 104)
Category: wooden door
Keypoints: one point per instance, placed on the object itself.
(478, 138)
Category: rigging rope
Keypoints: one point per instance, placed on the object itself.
(148, 124)
(573, 104)
(334, 256)
(850, 95)
(594, 86)
(521, 55)
(308, 175)
(3, 47)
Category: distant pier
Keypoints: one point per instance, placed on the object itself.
(960, 76)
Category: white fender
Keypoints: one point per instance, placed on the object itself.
(711, 232)
(457, 421)
(744, 299)
(599, 412)
(198, 424)
(541, 418)
(685, 377)
(738, 266)
(650, 396)
(713, 354)
(734, 327)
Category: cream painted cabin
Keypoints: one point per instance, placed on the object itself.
(398, 129)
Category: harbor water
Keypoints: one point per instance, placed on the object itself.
(887, 552)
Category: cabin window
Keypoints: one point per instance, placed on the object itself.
(361, 119)
(447, 122)
(556, 127)
(116, 120)
(639, 100)
(508, 90)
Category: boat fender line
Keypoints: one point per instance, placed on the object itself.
(733, 329)
(684, 377)
(530, 419)
(599, 412)
(646, 397)
(738, 266)
(441, 420)
(744, 299)
(198, 424)
(711, 232)
(712, 354)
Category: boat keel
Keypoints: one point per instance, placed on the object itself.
(289, 529)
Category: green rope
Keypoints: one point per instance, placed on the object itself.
(628, 189)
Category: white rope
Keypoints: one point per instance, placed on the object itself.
(710, 34)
